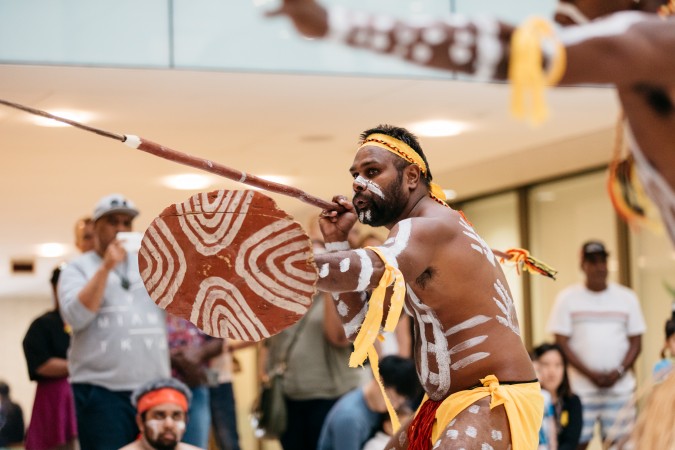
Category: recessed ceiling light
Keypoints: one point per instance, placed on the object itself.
(187, 181)
(52, 250)
(450, 194)
(438, 128)
(78, 116)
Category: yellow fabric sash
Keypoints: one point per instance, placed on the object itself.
(526, 71)
(403, 150)
(523, 403)
(370, 328)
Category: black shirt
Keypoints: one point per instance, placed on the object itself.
(46, 338)
(569, 420)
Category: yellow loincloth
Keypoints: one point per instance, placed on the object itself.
(523, 403)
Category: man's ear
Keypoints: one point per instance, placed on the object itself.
(140, 424)
(411, 176)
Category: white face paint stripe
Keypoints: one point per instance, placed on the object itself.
(615, 25)
(496, 435)
(470, 323)
(344, 265)
(452, 434)
(462, 363)
(369, 185)
(366, 270)
(471, 431)
(323, 272)
(473, 409)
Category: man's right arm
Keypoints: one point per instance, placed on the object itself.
(478, 47)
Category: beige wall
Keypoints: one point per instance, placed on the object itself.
(16, 314)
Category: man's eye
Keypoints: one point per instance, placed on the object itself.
(372, 172)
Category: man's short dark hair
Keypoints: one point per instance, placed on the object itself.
(399, 373)
(408, 138)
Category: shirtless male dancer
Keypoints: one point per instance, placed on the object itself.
(480, 383)
(619, 42)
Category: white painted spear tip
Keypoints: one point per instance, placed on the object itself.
(132, 141)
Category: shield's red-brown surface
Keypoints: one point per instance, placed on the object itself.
(231, 262)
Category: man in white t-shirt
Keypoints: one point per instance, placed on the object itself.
(599, 326)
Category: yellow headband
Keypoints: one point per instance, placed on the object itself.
(403, 150)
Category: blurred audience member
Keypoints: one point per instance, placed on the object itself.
(655, 427)
(599, 325)
(357, 415)
(384, 433)
(84, 234)
(551, 366)
(119, 334)
(317, 369)
(161, 415)
(52, 424)
(11, 419)
(221, 395)
(665, 366)
(190, 350)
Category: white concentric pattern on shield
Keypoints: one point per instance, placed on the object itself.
(161, 282)
(225, 312)
(281, 236)
(212, 225)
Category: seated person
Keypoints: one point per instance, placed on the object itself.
(551, 367)
(357, 415)
(162, 407)
(665, 365)
(386, 430)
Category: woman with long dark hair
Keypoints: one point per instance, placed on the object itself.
(551, 367)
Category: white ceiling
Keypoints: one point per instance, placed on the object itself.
(301, 126)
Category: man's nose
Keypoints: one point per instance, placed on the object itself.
(359, 185)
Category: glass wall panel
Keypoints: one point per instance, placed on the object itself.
(513, 12)
(563, 215)
(237, 35)
(100, 32)
(495, 218)
(210, 34)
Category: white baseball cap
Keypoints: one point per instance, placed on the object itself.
(114, 203)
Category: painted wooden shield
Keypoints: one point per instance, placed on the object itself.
(231, 262)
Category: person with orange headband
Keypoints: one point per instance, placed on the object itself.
(481, 389)
(162, 407)
(626, 43)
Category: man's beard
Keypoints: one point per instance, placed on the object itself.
(162, 444)
(380, 211)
